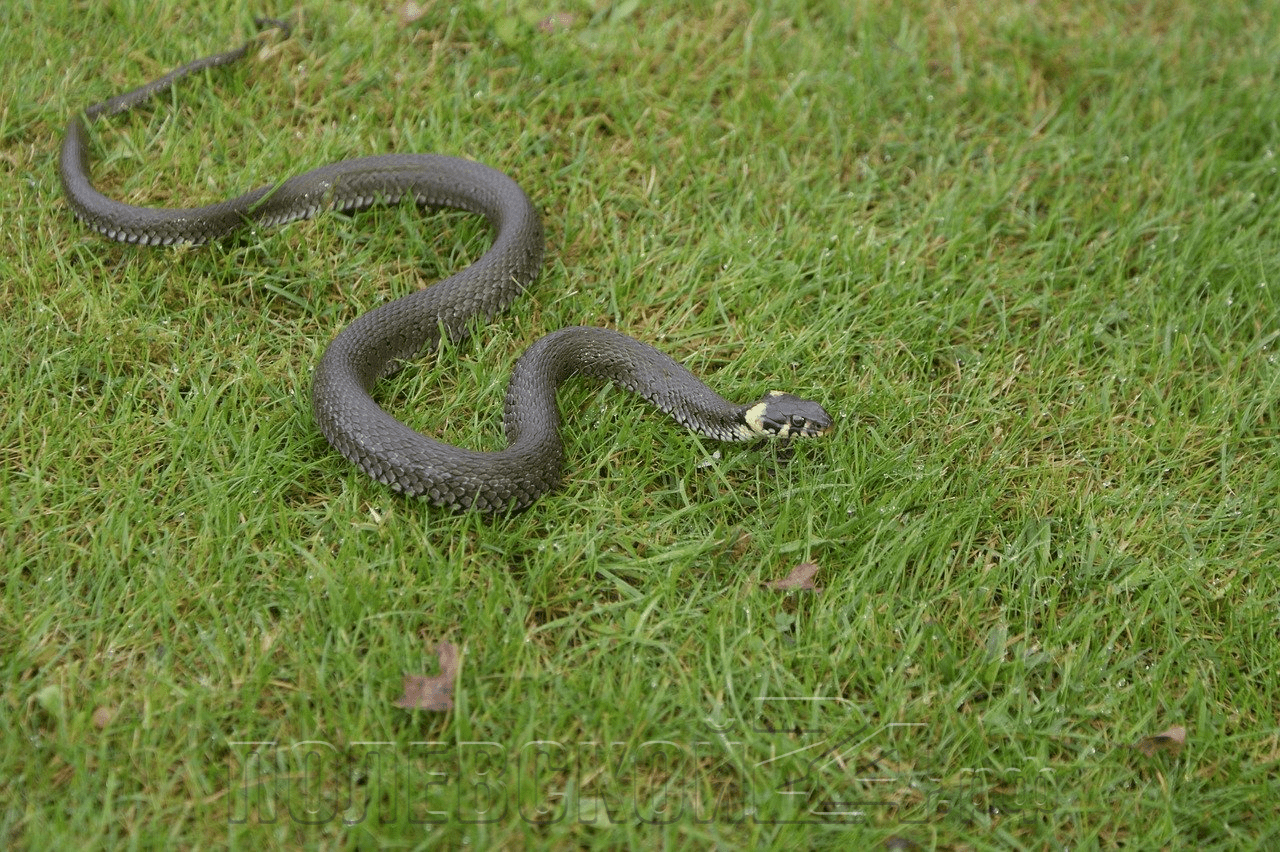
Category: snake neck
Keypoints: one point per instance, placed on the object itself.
(531, 413)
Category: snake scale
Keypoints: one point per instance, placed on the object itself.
(378, 341)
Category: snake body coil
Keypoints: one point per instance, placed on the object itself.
(374, 345)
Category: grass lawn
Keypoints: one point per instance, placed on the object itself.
(1026, 253)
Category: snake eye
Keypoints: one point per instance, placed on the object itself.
(799, 421)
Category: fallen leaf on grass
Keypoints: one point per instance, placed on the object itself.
(739, 543)
(556, 21)
(1169, 741)
(801, 577)
(411, 12)
(436, 692)
(102, 716)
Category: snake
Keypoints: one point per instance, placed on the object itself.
(378, 342)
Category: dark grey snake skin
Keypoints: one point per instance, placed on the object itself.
(374, 345)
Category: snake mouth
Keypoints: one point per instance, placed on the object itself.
(816, 430)
(786, 416)
(789, 432)
(814, 421)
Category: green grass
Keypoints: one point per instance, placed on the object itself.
(1027, 254)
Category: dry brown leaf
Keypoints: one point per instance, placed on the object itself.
(422, 692)
(411, 12)
(801, 577)
(1169, 741)
(556, 21)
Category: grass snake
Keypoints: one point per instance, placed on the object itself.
(378, 341)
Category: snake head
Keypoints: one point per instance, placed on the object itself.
(783, 415)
